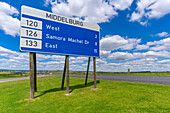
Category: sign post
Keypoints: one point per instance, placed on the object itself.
(35, 72)
(67, 78)
(88, 65)
(32, 75)
(64, 73)
(46, 32)
(94, 71)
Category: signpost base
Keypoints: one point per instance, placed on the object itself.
(94, 88)
(67, 94)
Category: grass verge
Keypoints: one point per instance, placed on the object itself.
(155, 74)
(158, 74)
(6, 76)
(111, 97)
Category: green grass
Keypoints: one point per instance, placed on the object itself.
(159, 74)
(6, 76)
(110, 97)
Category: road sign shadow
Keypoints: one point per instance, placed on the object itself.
(72, 88)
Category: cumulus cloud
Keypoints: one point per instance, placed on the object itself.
(78, 60)
(132, 42)
(20, 61)
(121, 4)
(143, 64)
(121, 56)
(123, 60)
(104, 53)
(101, 61)
(164, 61)
(6, 52)
(154, 54)
(163, 34)
(109, 43)
(142, 47)
(149, 9)
(8, 21)
(94, 11)
(160, 45)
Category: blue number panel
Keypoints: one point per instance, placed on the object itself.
(46, 36)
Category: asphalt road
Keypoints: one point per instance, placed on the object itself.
(136, 79)
(14, 79)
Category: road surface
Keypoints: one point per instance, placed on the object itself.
(136, 79)
(14, 79)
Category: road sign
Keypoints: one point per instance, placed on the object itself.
(46, 32)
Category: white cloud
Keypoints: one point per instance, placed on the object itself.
(18, 60)
(121, 56)
(160, 45)
(109, 43)
(116, 62)
(57, 57)
(6, 52)
(154, 54)
(145, 62)
(142, 47)
(132, 43)
(164, 61)
(8, 23)
(101, 61)
(121, 4)
(149, 9)
(94, 11)
(163, 34)
(42, 57)
(112, 42)
(166, 40)
(78, 60)
(104, 53)
(51, 63)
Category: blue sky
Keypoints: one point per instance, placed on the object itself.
(134, 34)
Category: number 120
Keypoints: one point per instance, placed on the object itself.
(32, 23)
